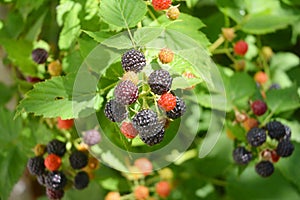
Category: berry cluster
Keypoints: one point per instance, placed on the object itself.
(141, 169)
(145, 122)
(48, 166)
(258, 140)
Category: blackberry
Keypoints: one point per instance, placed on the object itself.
(81, 180)
(36, 165)
(115, 111)
(288, 132)
(152, 138)
(56, 180)
(285, 148)
(78, 159)
(91, 137)
(242, 156)
(133, 60)
(54, 194)
(144, 120)
(39, 55)
(256, 137)
(160, 81)
(56, 147)
(264, 168)
(179, 109)
(42, 178)
(276, 130)
(126, 92)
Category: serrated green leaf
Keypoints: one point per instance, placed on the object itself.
(283, 100)
(86, 46)
(99, 36)
(62, 96)
(120, 41)
(71, 27)
(72, 62)
(122, 13)
(144, 35)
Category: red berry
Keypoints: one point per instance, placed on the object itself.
(65, 124)
(166, 55)
(261, 77)
(31, 79)
(163, 189)
(161, 4)
(240, 48)
(112, 196)
(275, 156)
(259, 107)
(167, 101)
(128, 130)
(144, 165)
(141, 192)
(52, 162)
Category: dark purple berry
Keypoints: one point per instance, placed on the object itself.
(179, 109)
(115, 111)
(54, 194)
(264, 168)
(256, 136)
(241, 156)
(259, 107)
(133, 60)
(160, 81)
(276, 130)
(126, 92)
(81, 180)
(36, 165)
(56, 180)
(78, 159)
(56, 147)
(285, 148)
(39, 55)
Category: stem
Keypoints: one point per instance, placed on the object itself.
(216, 44)
(267, 119)
(107, 87)
(152, 15)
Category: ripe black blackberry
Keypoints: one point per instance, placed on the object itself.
(179, 109)
(285, 148)
(160, 81)
(56, 147)
(276, 130)
(42, 178)
(133, 60)
(39, 55)
(36, 165)
(126, 92)
(241, 156)
(152, 138)
(145, 120)
(264, 168)
(115, 111)
(78, 159)
(54, 194)
(256, 136)
(56, 180)
(81, 180)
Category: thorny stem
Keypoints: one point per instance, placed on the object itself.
(216, 44)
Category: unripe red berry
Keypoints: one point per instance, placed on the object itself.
(112, 196)
(259, 107)
(141, 192)
(65, 124)
(163, 189)
(261, 77)
(240, 48)
(161, 4)
(52, 162)
(167, 101)
(144, 165)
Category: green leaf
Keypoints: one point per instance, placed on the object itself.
(6, 93)
(122, 13)
(19, 51)
(12, 158)
(86, 46)
(283, 100)
(284, 61)
(145, 35)
(99, 36)
(120, 41)
(110, 184)
(237, 131)
(68, 97)
(71, 27)
(92, 192)
(72, 62)
(35, 30)
(241, 86)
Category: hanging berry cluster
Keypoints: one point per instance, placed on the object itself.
(153, 90)
(265, 144)
(58, 167)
